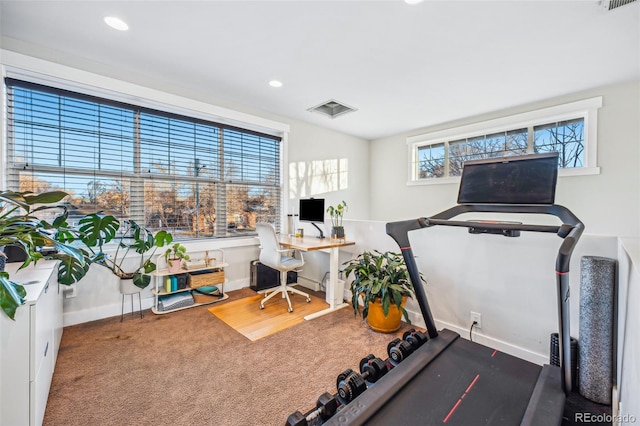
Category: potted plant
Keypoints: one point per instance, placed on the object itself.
(381, 281)
(96, 230)
(20, 226)
(336, 213)
(174, 256)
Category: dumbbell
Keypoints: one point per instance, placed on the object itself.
(326, 406)
(400, 349)
(372, 368)
(415, 338)
(350, 384)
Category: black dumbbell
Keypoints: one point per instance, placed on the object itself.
(372, 368)
(415, 338)
(398, 350)
(350, 384)
(326, 407)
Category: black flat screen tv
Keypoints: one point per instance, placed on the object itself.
(312, 210)
(526, 179)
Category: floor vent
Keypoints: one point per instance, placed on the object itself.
(612, 4)
(332, 108)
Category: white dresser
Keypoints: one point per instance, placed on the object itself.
(29, 345)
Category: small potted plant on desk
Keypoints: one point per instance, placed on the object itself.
(382, 282)
(174, 257)
(336, 213)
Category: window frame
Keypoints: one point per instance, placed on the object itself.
(586, 109)
(170, 104)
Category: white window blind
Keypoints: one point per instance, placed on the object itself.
(192, 177)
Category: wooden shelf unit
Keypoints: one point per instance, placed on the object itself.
(159, 274)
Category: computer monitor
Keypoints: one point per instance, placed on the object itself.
(312, 210)
(526, 179)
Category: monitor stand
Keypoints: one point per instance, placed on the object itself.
(318, 228)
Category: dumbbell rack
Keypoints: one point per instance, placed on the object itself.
(350, 384)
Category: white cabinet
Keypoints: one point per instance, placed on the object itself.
(29, 346)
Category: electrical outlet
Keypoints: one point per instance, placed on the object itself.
(477, 318)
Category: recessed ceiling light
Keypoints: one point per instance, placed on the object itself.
(275, 83)
(413, 1)
(116, 23)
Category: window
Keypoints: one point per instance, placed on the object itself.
(192, 177)
(567, 129)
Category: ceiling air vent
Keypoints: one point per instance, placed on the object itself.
(332, 108)
(612, 4)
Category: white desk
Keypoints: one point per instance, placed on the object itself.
(334, 300)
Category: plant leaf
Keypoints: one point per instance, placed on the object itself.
(96, 229)
(71, 269)
(141, 280)
(11, 295)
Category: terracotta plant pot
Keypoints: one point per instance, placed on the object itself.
(378, 322)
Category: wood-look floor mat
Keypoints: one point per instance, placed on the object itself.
(246, 317)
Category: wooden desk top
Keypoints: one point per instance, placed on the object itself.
(311, 243)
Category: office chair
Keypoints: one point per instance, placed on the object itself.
(273, 256)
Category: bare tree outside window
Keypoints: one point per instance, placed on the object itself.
(192, 177)
(431, 160)
(565, 138)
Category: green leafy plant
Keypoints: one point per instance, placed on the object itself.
(20, 226)
(337, 212)
(177, 251)
(381, 276)
(96, 230)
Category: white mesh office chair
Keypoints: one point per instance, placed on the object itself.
(274, 257)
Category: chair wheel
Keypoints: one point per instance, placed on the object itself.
(308, 300)
(261, 307)
(290, 310)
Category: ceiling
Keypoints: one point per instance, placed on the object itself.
(401, 66)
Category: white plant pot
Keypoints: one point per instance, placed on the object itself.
(128, 287)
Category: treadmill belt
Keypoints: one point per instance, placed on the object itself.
(468, 384)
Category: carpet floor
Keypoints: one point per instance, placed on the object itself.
(189, 367)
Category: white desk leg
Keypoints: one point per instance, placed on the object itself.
(334, 300)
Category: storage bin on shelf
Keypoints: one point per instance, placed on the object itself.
(205, 278)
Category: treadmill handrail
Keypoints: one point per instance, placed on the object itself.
(570, 231)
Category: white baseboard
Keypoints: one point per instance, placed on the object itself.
(519, 352)
(114, 309)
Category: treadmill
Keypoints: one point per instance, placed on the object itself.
(450, 380)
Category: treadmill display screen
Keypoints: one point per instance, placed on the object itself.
(527, 179)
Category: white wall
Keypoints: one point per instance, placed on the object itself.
(608, 204)
(628, 348)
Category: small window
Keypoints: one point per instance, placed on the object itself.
(569, 129)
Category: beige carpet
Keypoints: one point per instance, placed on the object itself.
(246, 317)
(190, 368)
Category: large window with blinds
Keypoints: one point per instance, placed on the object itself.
(191, 177)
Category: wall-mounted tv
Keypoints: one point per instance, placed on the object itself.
(312, 210)
(526, 179)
